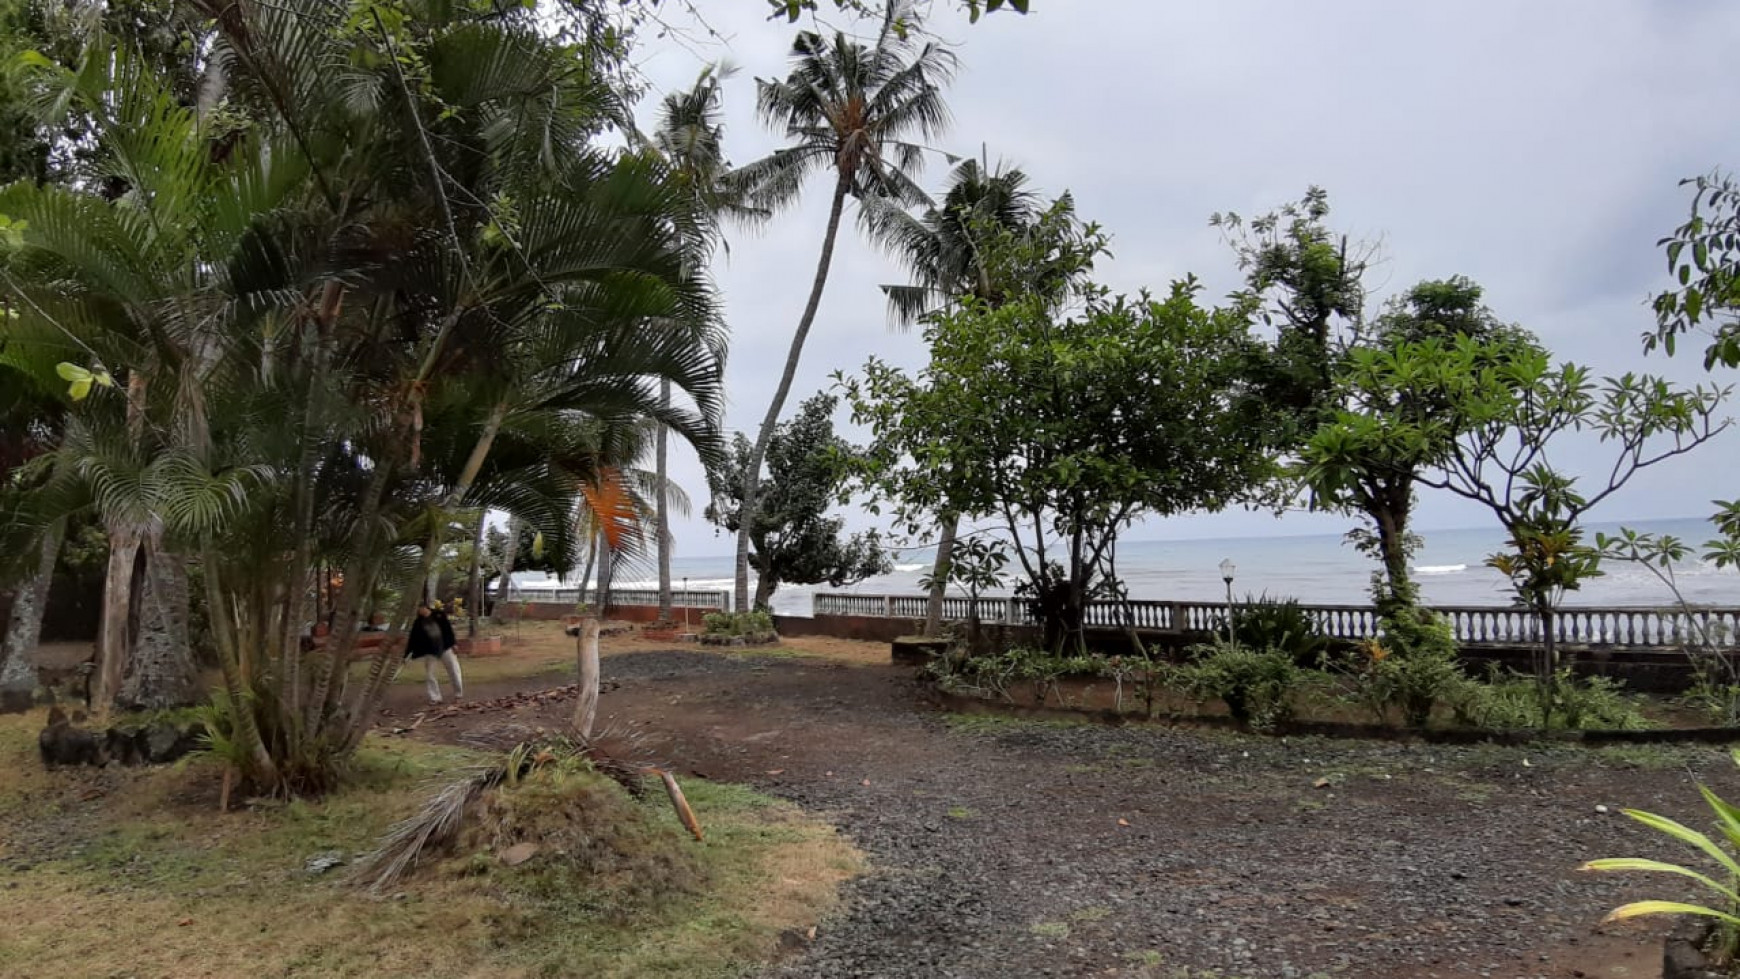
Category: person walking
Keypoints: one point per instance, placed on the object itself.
(431, 639)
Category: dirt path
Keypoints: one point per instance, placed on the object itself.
(1019, 849)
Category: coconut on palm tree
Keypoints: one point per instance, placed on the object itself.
(860, 113)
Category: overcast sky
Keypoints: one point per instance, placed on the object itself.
(1535, 147)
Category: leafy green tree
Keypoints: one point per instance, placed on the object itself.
(861, 114)
(1366, 458)
(1065, 429)
(791, 10)
(942, 250)
(409, 287)
(795, 541)
(1306, 283)
(1504, 408)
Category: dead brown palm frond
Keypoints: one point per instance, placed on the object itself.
(434, 825)
(616, 752)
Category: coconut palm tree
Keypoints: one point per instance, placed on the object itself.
(860, 113)
(941, 249)
(690, 141)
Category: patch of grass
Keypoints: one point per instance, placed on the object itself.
(1004, 723)
(1090, 913)
(1146, 957)
(132, 871)
(1657, 757)
(1050, 929)
(961, 812)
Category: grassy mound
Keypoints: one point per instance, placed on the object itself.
(133, 872)
(571, 843)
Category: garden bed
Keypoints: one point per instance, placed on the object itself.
(967, 704)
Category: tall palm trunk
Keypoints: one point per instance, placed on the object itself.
(510, 553)
(586, 654)
(113, 628)
(661, 511)
(939, 575)
(24, 626)
(160, 672)
(606, 572)
(752, 473)
(474, 580)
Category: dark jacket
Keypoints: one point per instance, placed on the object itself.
(430, 636)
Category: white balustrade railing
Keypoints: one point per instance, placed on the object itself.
(622, 596)
(1658, 628)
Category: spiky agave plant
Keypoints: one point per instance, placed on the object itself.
(1725, 886)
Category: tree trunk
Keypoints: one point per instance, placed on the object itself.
(510, 553)
(160, 672)
(1547, 669)
(112, 632)
(474, 582)
(586, 573)
(752, 473)
(606, 572)
(661, 512)
(24, 628)
(764, 588)
(586, 650)
(939, 575)
(1392, 528)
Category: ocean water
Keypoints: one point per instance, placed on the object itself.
(1316, 569)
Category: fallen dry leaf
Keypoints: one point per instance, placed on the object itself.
(774, 771)
(865, 782)
(1322, 783)
(1123, 822)
(185, 922)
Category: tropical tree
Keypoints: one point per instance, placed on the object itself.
(942, 250)
(857, 112)
(689, 140)
(795, 539)
(1366, 458)
(1502, 407)
(1064, 429)
(1306, 282)
(402, 290)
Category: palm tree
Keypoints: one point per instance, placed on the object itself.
(942, 250)
(690, 141)
(361, 313)
(853, 110)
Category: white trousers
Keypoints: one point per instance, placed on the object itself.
(432, 686)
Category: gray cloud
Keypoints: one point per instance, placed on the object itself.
(1534, 147)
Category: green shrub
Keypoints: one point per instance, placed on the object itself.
(757, 624)
(1280, 624)
(995, 674)
(1509, 700)
(1408, 671)
(1257, 686)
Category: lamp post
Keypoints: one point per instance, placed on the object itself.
(1227, 568)
(685, 603)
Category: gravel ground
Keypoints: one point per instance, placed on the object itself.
(1002, 848)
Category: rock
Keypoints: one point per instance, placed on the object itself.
(163, 742)
(320, 863)
(1601, 809)
(519, 853)
(60, 743)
